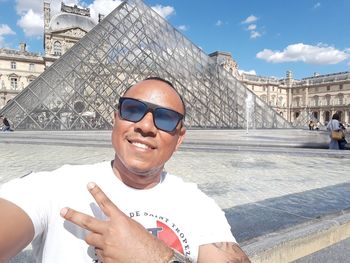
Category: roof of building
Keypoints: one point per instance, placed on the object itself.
(18, 53)
(64, 21)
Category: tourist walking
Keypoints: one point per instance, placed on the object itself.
(334, 125)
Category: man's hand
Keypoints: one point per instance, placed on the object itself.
(118, 239)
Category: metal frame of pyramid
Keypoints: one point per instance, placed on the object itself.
(80, 90)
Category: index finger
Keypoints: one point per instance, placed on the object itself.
(83, 220)
(106, 205)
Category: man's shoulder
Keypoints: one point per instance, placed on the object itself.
(87, 167)
(177, 183)
(68, 170)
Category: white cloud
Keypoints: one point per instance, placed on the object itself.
(23, 6)
(254, 34)
(5, 30)
(31, 23)
(103, 7)
(319, 54)
(251, 72)
(317, 5)
(31, 17)
(250, 19)
(219, 23)
(251, 27)
(183, 27)
(164, 11)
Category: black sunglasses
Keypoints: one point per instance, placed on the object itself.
(134, 110)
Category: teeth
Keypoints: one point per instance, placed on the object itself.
(140, 145)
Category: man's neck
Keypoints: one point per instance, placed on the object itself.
(135, 180)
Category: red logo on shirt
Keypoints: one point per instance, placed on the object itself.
(169, 237)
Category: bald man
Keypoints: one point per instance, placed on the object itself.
(132, 210)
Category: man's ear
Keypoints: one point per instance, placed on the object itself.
(182, 133)
(115, 117)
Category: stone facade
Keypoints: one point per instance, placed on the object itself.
(64, 29)
(320, 96)
(17, 69)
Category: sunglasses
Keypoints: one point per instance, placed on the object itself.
(134, 110)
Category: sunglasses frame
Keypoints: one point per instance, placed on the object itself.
(150, 107)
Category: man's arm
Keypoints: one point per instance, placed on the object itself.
(16, 230)
(223, 252)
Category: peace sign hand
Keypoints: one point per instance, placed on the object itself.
(119, 239)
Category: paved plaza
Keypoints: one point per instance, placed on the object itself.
(269, 182)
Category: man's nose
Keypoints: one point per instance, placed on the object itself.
(146, 124)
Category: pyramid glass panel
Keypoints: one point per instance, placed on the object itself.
(80, 90)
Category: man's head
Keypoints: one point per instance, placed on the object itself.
(142, 146)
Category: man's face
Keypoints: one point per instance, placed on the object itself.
(141, 148)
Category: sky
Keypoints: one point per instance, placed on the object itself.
(264, 37)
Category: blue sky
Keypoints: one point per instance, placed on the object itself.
(265, 37)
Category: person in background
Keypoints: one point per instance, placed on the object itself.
(6, 124)
(342, 142)
(334, 125)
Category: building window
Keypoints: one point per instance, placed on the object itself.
(14, 83)
(341, 86)
(328, 87)
(13, 65)
(57, 48)
(31, 67)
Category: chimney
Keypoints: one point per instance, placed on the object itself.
(22, 47)
(100, 17)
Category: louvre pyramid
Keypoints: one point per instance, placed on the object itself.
(80, 90)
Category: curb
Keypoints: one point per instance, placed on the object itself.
(300, 241)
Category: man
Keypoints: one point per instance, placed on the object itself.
(153, 216)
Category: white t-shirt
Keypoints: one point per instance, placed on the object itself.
(174, 211)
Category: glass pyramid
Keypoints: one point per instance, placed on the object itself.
(80, 90)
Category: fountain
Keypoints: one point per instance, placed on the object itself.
(249, 103)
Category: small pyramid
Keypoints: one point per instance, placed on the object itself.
(81, 89)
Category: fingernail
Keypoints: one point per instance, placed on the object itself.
(91, 185)
(64, 211)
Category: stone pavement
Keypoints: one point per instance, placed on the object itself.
(279, 188)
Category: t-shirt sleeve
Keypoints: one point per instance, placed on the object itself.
(29, 194)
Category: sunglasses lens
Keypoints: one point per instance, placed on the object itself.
(166, 119)
(132, 110)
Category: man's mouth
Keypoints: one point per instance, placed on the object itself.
(140, 145)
